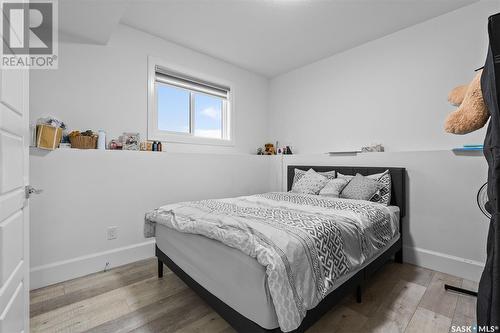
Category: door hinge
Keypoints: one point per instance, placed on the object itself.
(29, 190)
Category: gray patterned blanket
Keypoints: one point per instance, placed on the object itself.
(306, 242)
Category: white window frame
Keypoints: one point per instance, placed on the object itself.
(155, 134)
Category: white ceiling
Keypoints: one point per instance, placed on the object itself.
(269, 37)
(82, 21)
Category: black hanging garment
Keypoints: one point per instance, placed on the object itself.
(488, 302)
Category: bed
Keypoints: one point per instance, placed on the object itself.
(237, 284)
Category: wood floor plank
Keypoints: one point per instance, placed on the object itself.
(93, 285)
(81, 317)
(340, 319)
(465, 312)
(110, 305)
(425, 321)
(409, 273)
(177, 319)
(146, 314)
(396, 309)
(212, 322)
(47, 293)
(437, 299)
(382, 284)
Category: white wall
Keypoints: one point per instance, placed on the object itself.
(87, 191)
(105, 87)
(391, 91)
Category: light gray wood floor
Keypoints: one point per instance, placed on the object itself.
(400, 298)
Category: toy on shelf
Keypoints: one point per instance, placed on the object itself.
(269, 149)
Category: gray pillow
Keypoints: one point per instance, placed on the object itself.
(298, 174)
(311, 183)
(333, 188)
(383, 196)
(361, 188)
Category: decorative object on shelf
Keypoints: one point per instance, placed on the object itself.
(48, 133)
(115, 145)
(83, 140)
(130, 141)
(344, 152)
(269, 149)
(48, 137)
(51, 121)
(466, 148)
(373, 148)
(482, 199)
(260, 151)
(288, 150)
(101, 141)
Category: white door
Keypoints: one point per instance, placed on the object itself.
(14, 207)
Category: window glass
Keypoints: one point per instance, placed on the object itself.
(207, 116)
(173, 108)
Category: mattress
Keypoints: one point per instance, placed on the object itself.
(232, 276)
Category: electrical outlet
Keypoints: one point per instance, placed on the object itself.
(112, 232)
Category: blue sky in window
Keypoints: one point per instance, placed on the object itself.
(173, 109)
(173, 112)
(207, 116)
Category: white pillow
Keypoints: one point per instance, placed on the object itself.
(333, 188)
(311, 183)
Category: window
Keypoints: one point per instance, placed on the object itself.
(187, 109)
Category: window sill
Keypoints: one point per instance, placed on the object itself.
(188, 139)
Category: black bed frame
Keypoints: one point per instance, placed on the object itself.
(354, 284)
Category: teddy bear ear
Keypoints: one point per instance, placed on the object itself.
(456, 96)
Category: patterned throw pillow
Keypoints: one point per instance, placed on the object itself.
(360, 188)
(384, 195)
(333, 188)
(298, 174)
(311, 183)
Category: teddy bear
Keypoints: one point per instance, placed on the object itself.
(472, 112)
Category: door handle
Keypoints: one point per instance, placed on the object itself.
(29, 190)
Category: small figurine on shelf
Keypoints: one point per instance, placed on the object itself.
(269, 149)
(130, 141)
(115, 145)
(260, 151)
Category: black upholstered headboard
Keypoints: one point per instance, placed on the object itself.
(398, 178)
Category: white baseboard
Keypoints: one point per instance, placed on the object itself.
(441, 262)
(45, 275)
